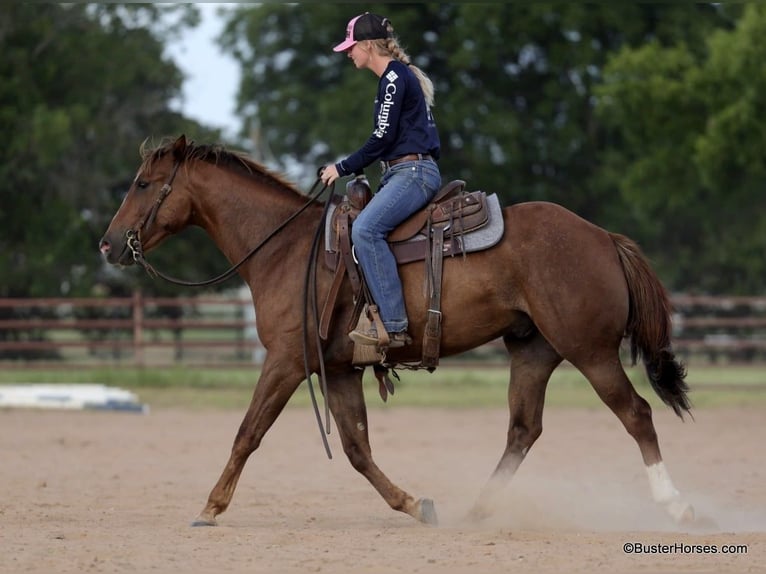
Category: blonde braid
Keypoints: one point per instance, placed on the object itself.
(390, 47)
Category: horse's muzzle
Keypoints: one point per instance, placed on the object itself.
(115, 253)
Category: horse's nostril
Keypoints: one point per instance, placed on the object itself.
(104, 246)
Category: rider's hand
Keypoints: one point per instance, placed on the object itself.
(329, 174)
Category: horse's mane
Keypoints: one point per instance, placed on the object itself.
(218, 155)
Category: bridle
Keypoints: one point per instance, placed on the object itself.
(137, 250)
(133, 236)
(164, 192)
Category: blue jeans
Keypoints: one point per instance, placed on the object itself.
(404, 189)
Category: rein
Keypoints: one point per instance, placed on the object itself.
(309, 295)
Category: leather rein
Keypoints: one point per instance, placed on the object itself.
(137, 250)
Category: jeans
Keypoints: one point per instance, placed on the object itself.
(404, 189)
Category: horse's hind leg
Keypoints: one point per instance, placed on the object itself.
(346, 400)
(532, 362)
(615, 389)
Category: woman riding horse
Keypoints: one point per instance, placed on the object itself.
(404, 137)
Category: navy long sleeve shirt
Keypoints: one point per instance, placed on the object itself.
(402, 122)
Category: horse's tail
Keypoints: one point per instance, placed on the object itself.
(649, 326)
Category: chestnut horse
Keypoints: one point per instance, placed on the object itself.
(555, 288)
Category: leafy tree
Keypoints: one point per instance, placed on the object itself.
(82, 86)
(692, 161)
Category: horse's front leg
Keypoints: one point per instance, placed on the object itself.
(275, 386)
(346, 400)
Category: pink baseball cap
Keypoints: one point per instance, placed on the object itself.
(363, 27)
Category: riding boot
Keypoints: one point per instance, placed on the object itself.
(370, 325)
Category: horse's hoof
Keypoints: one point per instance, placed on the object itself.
(682, 512)
(428, 512)
(706, 524)
(478, 513)
(200, 521)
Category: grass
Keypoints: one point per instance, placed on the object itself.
(712, 386)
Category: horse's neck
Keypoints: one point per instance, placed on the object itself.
(239, 214)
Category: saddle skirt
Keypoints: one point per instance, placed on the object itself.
(471, 221)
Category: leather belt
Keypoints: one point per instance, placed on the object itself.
(384, 165)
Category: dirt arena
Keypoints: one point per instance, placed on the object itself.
(115, 492)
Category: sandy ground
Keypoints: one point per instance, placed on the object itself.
(115, 492)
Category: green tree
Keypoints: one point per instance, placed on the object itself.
(82, 86)
(692, 154)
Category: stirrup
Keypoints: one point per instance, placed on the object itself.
(369, 336)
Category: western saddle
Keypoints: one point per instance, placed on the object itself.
(428, 235)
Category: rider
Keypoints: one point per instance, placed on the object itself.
(406, 141)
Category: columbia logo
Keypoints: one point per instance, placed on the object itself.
(391, 76)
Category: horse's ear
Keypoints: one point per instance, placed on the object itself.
(179, 148)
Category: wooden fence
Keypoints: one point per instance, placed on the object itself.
(133, 331)
(217, 331)
(720, 328)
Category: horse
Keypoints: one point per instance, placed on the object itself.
(555, 288)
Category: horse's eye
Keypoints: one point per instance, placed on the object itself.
(141, 184)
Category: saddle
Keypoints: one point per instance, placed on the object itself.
(429, 234)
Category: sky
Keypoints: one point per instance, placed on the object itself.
(212, 79)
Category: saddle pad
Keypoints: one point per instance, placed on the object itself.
(482, 238)
(489, 235)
